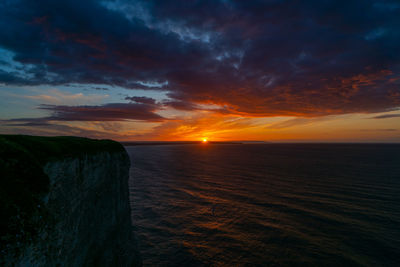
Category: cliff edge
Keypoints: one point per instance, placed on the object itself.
(64, 201)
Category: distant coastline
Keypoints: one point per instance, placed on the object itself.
(157, 143)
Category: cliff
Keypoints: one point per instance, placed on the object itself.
(64, 201)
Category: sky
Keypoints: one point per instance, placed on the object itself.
(281, 71)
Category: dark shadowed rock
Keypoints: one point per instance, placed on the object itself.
(65, 202)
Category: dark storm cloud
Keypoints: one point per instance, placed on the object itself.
(106, 112)
(141, 99)
(253, 58)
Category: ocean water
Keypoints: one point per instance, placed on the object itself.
(266, 204)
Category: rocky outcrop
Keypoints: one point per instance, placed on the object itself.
(75, 210)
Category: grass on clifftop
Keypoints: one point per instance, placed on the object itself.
(23, 184)
(53, 148)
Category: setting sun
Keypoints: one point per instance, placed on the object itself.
(204, 140)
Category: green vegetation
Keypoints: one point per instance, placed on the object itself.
(23, 184)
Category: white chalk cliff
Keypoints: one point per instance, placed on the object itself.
(86, 213)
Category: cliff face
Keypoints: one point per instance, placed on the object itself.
(81, 215)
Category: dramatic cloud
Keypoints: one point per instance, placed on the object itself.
(181, 105)
(141, 99)
(295, 122)
(386, 116)
(229, 58)
(200, 126)
(55, 96)
(107, 112)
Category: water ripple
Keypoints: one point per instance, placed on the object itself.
(266, 205)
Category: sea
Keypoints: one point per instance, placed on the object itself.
(266, 204)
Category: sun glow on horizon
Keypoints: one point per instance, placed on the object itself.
(205, 140)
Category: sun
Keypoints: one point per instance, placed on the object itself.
(205, 140)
